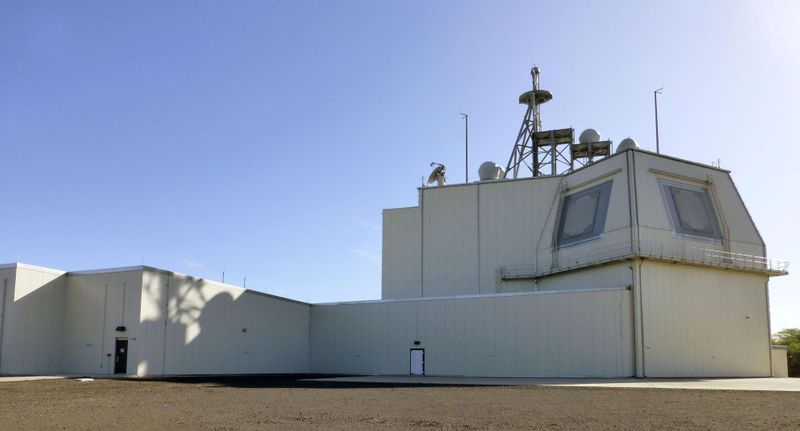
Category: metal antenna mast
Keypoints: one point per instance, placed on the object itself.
(655, 103)
(546, 151)
(466, 146)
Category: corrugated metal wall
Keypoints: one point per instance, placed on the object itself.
(704, 322)
(532, 334)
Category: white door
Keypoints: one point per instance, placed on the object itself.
(417, 362)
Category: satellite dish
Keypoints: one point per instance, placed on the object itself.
(437, 176)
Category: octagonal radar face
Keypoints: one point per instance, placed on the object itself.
(589, 135)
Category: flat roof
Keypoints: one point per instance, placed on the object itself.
(638, 150)
(479, 296)
(31, 267)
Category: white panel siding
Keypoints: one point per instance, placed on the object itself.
(95, 305)
(472, 231)
(450, 241)
(152, 324)
(615, 238)
(212, 328)
(603, 276)
(8, 277)
(401, 253)
(32, 321)
(780, 364)
(743, 237)
(534, 334)
(512, 216)
(704, 322)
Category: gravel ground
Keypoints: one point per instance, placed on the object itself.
(283, 403)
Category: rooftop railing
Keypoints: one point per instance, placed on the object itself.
(574, 258)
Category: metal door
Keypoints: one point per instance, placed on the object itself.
(417, 362)
(121, 357)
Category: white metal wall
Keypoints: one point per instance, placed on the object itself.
(449, 241)
(31, 320)
(8, 276)
(780, 363)
(95, 304)
(704, 322)
(617, 274)
(471, 231)
(196, 326)
(615, 238)
(512, 216)
(401, 257)
(531, 334)
(654, 224)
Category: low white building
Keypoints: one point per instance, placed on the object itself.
(636, 265)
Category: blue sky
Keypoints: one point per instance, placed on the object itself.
(263, 139)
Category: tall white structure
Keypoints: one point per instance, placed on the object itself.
(627, 264)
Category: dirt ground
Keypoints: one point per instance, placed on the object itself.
(283, 403)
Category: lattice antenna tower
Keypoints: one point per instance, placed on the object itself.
(541, 152)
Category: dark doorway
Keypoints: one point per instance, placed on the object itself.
(121, 357)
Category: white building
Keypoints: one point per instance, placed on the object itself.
(497, 278)
(638, 264)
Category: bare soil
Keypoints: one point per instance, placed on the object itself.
(249, 403)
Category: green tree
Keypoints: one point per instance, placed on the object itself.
(791, 339)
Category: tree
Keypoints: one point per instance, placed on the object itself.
(791, 339)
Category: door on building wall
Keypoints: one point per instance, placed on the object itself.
(121, 357)
(417, 362)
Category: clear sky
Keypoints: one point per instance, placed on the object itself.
(263, 139)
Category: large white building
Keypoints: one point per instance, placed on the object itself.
(638, 264)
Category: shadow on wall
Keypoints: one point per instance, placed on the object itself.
(211, 328)
(54, 323)
(177, 333)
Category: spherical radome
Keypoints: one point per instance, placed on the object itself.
(489, 171)
(627, 144)
(589, 135)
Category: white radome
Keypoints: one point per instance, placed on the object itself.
(627, 144)
(589, 135)
(490, 171)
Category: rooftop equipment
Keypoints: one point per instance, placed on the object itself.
(490, 171)
(437, 175)
(588, 147)
(542, 152)
(627, 144)
(550, 152)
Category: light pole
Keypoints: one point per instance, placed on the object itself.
(466, 146)
(655, 103)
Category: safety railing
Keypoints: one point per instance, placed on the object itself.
(578, 257)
